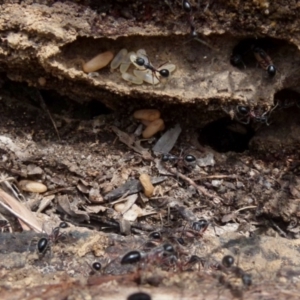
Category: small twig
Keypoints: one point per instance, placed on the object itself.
(8, 179)
(43, 104)
(215, 177)
(170, 6)
(281, 232)
(200, 189)
(20, 217)
(246, 207)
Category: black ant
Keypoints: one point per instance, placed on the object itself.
(95, 267)
(155, 235)
(164, 254)
(239, 51)
(195, 260)
(186, 6)
(63, 225)
(265, 61)
(197, 229)
(187, 159)
(132, 257)
(44, 243)
(244, 115)
(141, 62)
(227, 265)
(200, 225)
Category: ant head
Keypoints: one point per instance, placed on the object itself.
(63, 225)
(168, 248)
(243, 110)
(194, 259)
(155, 235)
(164, 73)
(227, 261)
(131, 257)
(140, 61)
(200, 225)
(271, 70)
(96, 266)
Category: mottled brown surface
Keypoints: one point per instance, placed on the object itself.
(43, 44)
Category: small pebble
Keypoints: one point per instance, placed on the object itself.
(98, 62)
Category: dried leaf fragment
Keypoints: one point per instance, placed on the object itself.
(26, 217)
(168, 140)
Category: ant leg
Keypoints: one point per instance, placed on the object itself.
(170, 6)
(32, 240)
(269, 112)
(240, 120)
(204, 43)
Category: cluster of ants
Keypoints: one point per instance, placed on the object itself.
(169, 253)
(243, 114)
(157, 251)
(252, 46)
(164, 252)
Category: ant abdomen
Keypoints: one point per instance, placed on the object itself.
(131, 257)
(42, 245)
(96, 266)
(271, 70)
(164, 73)
(227, 261)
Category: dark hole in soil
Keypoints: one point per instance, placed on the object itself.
(58, 104)
(243, 55)
(287, 98)
(225, 135)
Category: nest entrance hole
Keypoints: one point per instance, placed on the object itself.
(225, 135)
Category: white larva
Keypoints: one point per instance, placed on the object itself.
(126, 62)
(118, 59)
(132, 78)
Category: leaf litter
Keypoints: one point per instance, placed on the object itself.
(97, 187)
